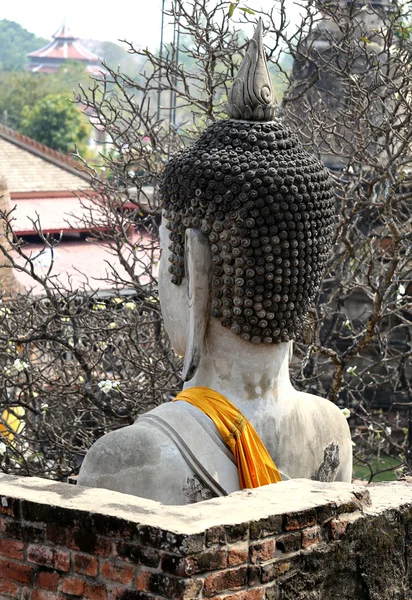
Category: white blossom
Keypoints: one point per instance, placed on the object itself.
(20, 365)
(401, 292)
(346, 412)
(106, 385)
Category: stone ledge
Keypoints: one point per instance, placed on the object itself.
(295, 497)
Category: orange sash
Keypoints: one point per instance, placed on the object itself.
(253, 461)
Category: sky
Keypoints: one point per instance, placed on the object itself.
(137, 21)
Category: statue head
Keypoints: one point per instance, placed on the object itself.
(264, 207)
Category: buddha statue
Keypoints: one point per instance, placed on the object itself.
(247, 225)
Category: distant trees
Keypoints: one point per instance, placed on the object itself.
(21, 90)
(15, 43)
(55, 122)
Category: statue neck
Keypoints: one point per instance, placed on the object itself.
(246, 374)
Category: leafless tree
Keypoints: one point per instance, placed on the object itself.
(83, 363)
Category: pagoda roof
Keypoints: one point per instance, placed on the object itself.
(64, 46)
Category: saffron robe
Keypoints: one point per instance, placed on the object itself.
(255, 465)
(200, 444)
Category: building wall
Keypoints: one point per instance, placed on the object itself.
(9, 284)
(299, 540)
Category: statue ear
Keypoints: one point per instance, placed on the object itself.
(198, 270)
(290, 351)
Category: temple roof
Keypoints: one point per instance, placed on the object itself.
(30, 166)
(64, 46)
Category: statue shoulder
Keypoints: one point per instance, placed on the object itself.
(319, 405)
(139, 460)
(328, 431)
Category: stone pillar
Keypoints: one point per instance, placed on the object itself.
(9, 285)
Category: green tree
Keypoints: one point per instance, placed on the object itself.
(56, 122)
(22, 89)
(15, 43)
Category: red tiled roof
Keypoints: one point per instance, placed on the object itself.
(65, 50)
(65, 161)
(83, 264)
(64, 46)
(56, 214)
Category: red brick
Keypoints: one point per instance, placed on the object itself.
(62, 560)
(272, 571)
(142, 581)
(47, 580)
(84, 541)
(211, 560)
(3, 522)
(73, 586)
(9, 506)
(337, 529)
(40, 595)
(263, 551)
(85, 564)
(311, 536)
(12, 549)
(266, 527)
(225, 580)
(121, 593)
(215, 535)
(9, 588)
(255, 594)
(238, 555)
(95, 591)
(41, 555)
(299, 520)
(115, 572)
(289, 542)
(57, 535)
(48, 557)
(16, 572)
(137, 554)
(32, 534)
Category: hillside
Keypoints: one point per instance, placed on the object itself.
(15, 43)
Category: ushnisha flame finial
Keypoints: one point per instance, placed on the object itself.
(251, 97)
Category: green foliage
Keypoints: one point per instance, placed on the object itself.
(56, 122)
(23, 89)
(234, 5)
(15, 43)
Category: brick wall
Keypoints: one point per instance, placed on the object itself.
(297, 540)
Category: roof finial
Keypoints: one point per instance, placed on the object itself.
(251, 97)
